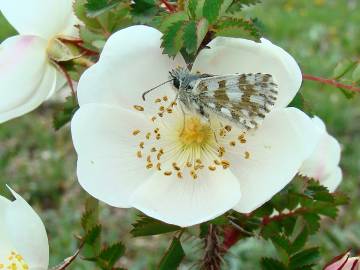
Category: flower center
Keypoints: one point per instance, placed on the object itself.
(14, 262)
(183, 143)
(195, 132)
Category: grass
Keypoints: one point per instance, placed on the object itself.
(39, 163)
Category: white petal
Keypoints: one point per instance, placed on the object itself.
(131, 63)
(111, 179)
(332, 180)
(186, 202)
(108, 168)
(103, 130)
(236, 55)
(38, 17)
(325, 157)
(26, 76)
(27, 233)
(276, 150)
(6, 245)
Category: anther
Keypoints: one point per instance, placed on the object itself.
(217, 162)
(194, 175)
(141, 145)
(161, 114)
(212, 168)
(169, 110)
(139, 108)
(165, 98)
(153, 118)
(179, 175)
(148, 159)
(149, 166)
(221, 151)
(139, 154)
(158, 166)
(198, 161)
(162, 108)
(157, 100)
(225, 164)
(153, 150)
(156, 130)
(198, 167)
(228, 128)
(158, 136)
(136, 132)
(176, 167)
(232, 143)
(188, 164)
(148, 135)
(168, 173)
(173, 104)
(247, 155)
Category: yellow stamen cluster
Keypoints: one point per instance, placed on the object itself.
(184, 144)
(14, 262)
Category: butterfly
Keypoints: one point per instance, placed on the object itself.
(244, 99)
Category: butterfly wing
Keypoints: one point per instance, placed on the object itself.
(242, 98)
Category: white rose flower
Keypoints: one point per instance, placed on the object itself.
(323, 163)
(26, 73)
(23, 239)
(140, 154)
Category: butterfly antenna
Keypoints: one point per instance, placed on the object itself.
(148, 91)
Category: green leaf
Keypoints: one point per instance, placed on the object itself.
(288, 224)
(237, 27)
(190, 37)
(93, 235)
(6, 29)
(211, 10)
(318, 192)
(81, 13)
(191, 7)
(238, 5)
(300, 241)
(173, 256)
(164, 22)
(172, 40)
(298, 102)
(343, 67)
(146, 226)
(112, 254)
(202, 28)
(312, 221)
(144, 10)
(306, 257)
(272, 264)
(281, 242)
(90, 38)
(62, 117)
(356, 73)
(97, 7)
(341, 199)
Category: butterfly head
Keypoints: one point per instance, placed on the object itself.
(180, 76)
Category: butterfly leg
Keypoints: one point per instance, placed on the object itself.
(183, 114)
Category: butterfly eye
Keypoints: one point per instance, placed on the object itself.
(176, 83)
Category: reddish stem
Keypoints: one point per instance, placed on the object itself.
(170, 7)
(68, 79)
(331, 82)
(231, 236)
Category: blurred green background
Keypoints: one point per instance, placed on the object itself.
(39, 163)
